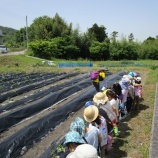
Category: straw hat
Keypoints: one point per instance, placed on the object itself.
(91, 113)
(100, 98)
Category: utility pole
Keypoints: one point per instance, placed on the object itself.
(27, 39)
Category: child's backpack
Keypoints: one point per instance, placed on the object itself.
(94, 75)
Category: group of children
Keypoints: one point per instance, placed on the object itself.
(91, 136)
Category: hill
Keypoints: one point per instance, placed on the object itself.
(9, 35)
(7, 30)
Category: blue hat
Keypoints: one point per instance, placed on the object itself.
(73, 137)
(88, 103)
(78, 126)
(131, 74)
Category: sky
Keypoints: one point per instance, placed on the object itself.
(139, 17)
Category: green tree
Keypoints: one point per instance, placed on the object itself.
(41, 29)
(20, 37)
(99, 50)
(131, 37)
(46, 28)
(149, 49)
(97, 33)
(114, 34)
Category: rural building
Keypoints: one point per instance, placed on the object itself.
(1, 37)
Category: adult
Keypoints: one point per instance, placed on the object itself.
(100, 77)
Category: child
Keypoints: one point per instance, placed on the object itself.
(91, 115)
(137, 92)
(130, 97)
(114, 102)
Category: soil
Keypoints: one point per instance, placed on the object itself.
(61, 129)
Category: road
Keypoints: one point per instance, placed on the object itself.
(13, 53)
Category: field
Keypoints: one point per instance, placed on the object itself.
(63, 95)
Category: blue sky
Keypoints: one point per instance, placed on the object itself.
(139, 17)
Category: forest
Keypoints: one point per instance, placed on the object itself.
(51, 38)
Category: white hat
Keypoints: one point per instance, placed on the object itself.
(138, 79)
(125, 76)
(84, 151)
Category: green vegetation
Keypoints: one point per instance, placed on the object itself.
(9, 35)
(26, 63)
(59, 150)
(54, 38)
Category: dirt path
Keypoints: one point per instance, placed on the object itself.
(14, 53)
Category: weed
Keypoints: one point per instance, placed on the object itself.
(153, 67)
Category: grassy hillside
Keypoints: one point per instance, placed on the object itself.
(7, 30)
(22, 63)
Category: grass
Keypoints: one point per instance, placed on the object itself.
(16, 49)
(134, 140)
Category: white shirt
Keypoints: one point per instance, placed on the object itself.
(125, 93)
(116, 104)
(108, 108)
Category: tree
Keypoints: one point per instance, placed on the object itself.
(20, 37)
(97, 33)
(114, 34)
(46, 28)
(99, 50)
(149, 49)
(131, 37)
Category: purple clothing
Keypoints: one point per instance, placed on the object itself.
(120, 97)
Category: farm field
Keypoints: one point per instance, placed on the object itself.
(37, 108)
